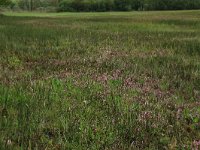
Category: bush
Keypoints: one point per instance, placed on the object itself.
(123, 5)
(106, 5)
(65, 6)
(50, 9)
(16, 8)
(86, 5)
(5, 2)
(3, 9)
(41, 9)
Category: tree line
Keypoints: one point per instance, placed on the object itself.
(102, 5)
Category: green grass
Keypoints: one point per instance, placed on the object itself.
(115, 80)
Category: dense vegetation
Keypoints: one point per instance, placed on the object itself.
(100, 80)
(127, 5)
(102, 5)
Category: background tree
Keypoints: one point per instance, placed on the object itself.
(5, 2)
(103, 5)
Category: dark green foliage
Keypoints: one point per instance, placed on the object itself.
(86, 5)
(5, 2)
(172, 4)
(65, 6)
(127, 5)
(102, 5)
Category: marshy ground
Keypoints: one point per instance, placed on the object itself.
(100, 80)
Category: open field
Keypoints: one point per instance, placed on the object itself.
(112, 80)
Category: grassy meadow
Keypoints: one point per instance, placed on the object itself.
(115, 80)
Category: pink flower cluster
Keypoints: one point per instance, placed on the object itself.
(144, 116)
(196, 144)
(103, 78)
